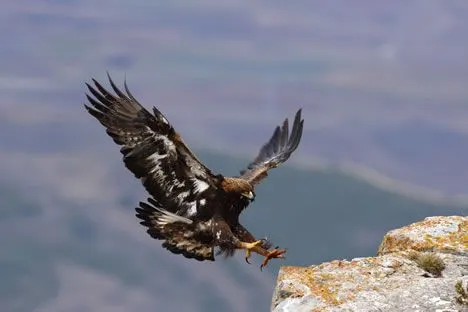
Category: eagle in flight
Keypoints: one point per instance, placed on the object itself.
(192, 209)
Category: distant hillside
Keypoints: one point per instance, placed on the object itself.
(317, 216)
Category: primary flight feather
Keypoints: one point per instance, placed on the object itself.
(191, 209)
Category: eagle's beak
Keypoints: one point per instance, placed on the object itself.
(250, 195)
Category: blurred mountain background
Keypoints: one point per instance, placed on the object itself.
(382, 85)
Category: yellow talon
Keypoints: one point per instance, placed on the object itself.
(248, 249)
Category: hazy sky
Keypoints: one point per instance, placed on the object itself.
(382, 84)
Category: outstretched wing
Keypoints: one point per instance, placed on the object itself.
(276, 151)
(151, 149)
(181, 235)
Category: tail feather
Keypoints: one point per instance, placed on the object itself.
(181, 235)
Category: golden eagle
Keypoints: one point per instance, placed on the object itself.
(192, 209)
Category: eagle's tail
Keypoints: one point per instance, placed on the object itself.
(181, 235)
(155, 218)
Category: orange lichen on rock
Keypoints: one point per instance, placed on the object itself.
(337, 282)
(444, 234)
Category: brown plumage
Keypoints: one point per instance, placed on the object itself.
(236, 185)
(191, 209)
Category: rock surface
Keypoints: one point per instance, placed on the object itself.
(392, 281)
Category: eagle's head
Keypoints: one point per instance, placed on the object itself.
(240, 187)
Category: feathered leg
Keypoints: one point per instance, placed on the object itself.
(250, 244)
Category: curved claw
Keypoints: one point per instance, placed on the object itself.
(275, 253)
(248, 247)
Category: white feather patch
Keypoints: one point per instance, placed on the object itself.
(155, 157)
(167, 143)
(155, 160)
(204, 226)
(200, 186)
(167, 217)
(183, 195)
(192, 210)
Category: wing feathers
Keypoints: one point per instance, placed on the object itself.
(276, 151)
(151, 148)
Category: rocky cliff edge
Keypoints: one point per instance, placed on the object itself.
(420, 267)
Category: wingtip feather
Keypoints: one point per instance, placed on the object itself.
(127, 90)
(285, 134)
(298, 113)
(114, 86)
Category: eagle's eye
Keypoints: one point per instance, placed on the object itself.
(249, 195)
